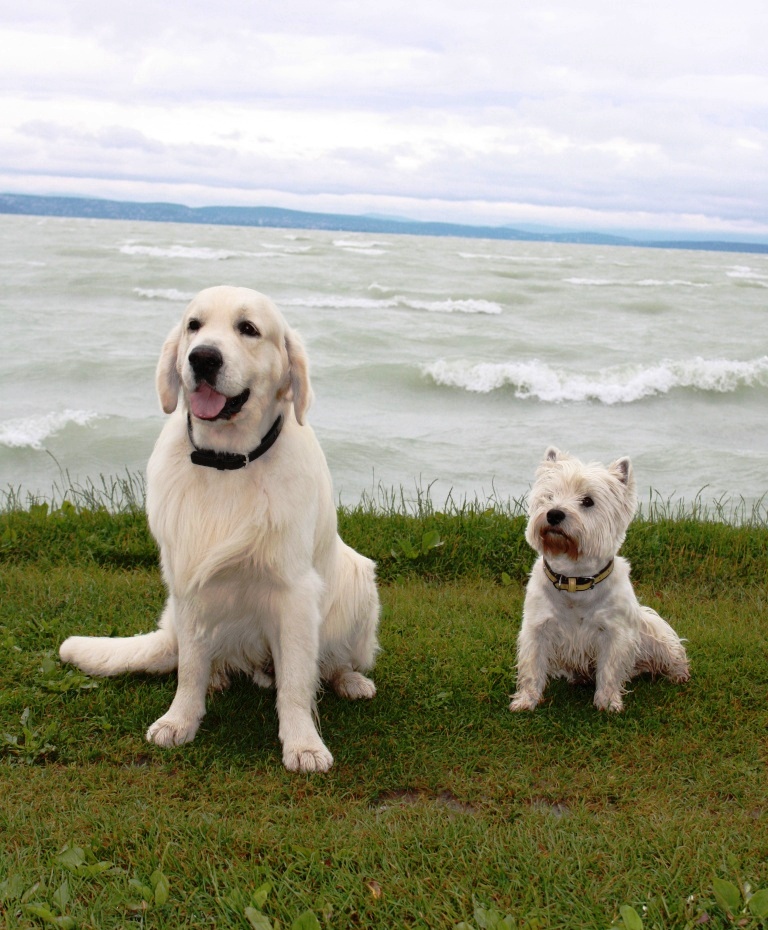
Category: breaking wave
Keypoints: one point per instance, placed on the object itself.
(333, 302)
(644, 282)
(163, 293)
(618, 385)
(31, 432)
(198, 253)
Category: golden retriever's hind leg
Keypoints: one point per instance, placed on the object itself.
(262, 678)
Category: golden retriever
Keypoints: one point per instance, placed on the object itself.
(239, 499)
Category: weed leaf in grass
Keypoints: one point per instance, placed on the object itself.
(630, 918)
(306, 921)
(61, 896)
(81, 862)
(407, 548)
(32, 745)
(257, 920)
(727, 896)
(47, 916)
(758, 904)
(11, 888)
(491, 919)
(160, 885)
(31, 892)
(429, 541)
(259, 897)
(144, 890)
(56, 679)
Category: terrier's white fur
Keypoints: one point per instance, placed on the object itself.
(578, 517)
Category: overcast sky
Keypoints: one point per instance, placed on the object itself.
(597, 113)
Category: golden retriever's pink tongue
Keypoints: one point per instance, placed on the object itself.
(206, 403)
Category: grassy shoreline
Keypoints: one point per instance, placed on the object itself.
(442, 807)
(413, 539)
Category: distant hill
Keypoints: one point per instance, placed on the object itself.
(84, 207)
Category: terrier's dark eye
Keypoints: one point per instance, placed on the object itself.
(193, 325)
(587, 502)
(247, 329)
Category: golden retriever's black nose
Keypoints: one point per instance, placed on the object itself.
(554, 517)
(206, 362)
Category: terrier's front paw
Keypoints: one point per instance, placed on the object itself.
(524, 700)
(167, 731)
(609, 700)
(679, 673)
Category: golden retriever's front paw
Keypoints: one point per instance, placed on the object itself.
(354, 686)
(170, 732)
(307, 760)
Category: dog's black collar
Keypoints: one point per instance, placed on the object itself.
(564, 583)
(230, 461)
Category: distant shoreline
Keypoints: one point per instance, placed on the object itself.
(277, 217)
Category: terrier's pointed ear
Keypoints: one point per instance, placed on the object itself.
(622, 468)
(167, 380)
(552, 454)
(299, 374)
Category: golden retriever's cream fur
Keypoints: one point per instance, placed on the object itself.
(258, 579)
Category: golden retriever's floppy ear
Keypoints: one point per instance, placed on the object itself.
(299, 374)
(167, 378)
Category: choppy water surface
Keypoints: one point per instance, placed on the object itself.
(437, 361)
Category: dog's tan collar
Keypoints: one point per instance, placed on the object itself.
(571, 585)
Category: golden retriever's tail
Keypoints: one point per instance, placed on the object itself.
(103, 656)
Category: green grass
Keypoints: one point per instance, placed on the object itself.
(442, 806)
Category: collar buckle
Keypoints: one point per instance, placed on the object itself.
(571, 584)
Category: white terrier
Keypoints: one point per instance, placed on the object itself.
(581, 618)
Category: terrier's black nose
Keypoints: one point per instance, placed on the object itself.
(206, 362)
(554, 517)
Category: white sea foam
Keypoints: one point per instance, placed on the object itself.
(358, 244)
(361, 246)
(645, 282)
(745, 273)
(365, 251)
(454, 306)
(521, 259)
(201, 253)
(31, 432)
(338, 302)
(620, 385)
(163, 293)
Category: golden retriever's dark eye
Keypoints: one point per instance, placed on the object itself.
(247, 329)
(587, 502)
(193, 325)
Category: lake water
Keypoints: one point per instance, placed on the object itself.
(441, 362)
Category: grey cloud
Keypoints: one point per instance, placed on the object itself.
(601, 105)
